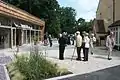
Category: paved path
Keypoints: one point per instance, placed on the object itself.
(3, 60)
(112, 73)
(96, 62)
(97, 68)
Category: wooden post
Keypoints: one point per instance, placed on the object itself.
(11, 38)
(113, 11)
(30, 36)
(15, 37)
(22, 36)
(34, 34)
(26, 36)
(38, 36)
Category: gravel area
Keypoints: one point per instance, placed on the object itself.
(5, 59)
(2, 73)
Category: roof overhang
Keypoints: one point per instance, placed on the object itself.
(115, 24)
(12, 11)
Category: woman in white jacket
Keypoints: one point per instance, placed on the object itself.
(110, 42)
(87, 45)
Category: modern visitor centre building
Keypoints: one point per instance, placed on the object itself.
(18, 27)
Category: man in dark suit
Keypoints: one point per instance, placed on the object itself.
(62, 44)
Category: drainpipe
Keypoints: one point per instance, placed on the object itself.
(113, 11)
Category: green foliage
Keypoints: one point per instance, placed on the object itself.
(67, 19)
(83, 25)
(35, 67)
(14, 73)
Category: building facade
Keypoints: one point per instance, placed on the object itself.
(17, 27)
(108, 13)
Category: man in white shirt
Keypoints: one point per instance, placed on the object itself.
(110, 42)
(78, 45)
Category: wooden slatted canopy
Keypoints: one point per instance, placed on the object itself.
(12, 11)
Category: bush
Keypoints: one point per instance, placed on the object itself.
(35, 67)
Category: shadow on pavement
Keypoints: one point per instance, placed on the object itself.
(66, 58)
(100, 57)
(112, 73)
(103, 51)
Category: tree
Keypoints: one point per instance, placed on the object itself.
(67, 19)
(83, 25)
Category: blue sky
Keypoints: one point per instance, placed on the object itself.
(84, 8)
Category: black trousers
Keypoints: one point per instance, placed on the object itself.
(50, 43)
(79, 52)
(61, 52)
(83, 47)
(86, 54)
(72, 42)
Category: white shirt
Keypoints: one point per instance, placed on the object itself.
(110, 42)
(78, 41)
(87, 42)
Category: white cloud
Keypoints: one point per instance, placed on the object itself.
(84, 8)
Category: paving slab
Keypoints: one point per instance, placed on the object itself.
(2, 73)
(97, 64)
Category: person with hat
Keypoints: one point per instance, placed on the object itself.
(87, 45)
(78, 45)
(110, 42)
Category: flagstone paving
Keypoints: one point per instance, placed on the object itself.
(95, 68)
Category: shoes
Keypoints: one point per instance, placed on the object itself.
(109, 58)
(85, 60)
(61, 59)
(78, 59)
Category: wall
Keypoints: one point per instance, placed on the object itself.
(105, 12)
(117, 10)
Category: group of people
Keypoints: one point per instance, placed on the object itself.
(86, 42)
(82, 42)
(69, 38)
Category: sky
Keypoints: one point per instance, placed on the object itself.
(84, 8)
